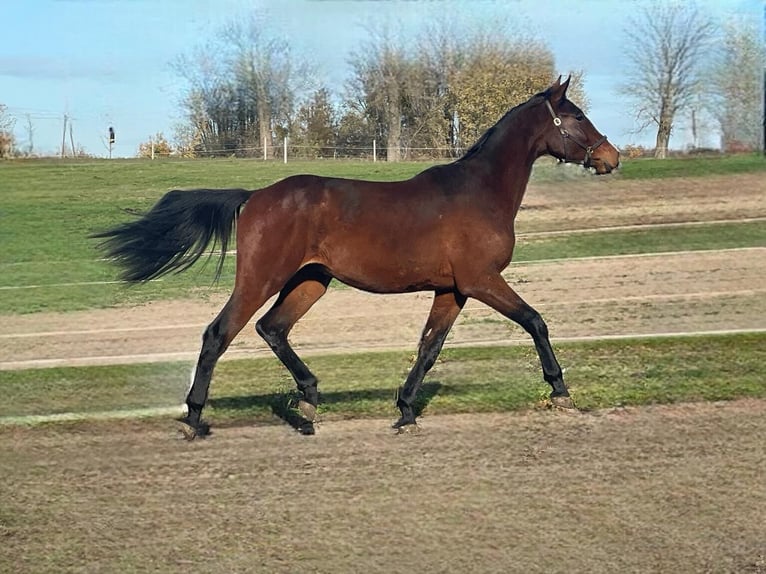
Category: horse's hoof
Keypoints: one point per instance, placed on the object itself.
(307, 428)
(189, 432)
(308, 411)
(562, 402)
(403, 421)
(411, 428)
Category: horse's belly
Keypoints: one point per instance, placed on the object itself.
(386, 274)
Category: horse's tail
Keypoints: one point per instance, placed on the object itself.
(175, 233)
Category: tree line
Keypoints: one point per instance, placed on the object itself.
(431, 97)
(434, 93)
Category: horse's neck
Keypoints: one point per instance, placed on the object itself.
(510, 154)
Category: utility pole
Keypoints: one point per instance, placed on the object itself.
(111, 140)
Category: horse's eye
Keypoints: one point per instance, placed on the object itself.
(579, 117)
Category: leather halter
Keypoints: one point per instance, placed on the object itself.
(565, 135)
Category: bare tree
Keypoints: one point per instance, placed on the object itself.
(666, 49)
(380, 70)
(7, 138)
(449, 86)
(30, 128)
(242, 86)
(736, 81)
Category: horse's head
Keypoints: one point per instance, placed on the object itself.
(572, 137)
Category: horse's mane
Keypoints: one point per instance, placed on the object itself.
(480, 143)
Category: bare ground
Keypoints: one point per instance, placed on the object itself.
(705, 291)
(660, 489)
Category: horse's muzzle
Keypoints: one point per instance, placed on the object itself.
(606, 160)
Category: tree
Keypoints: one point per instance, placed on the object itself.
(354, 134)
(7, 139)
(736, 82)
(380, 70)
(446, 90)
(667, 44)
(30, 128)
(242, 87)
(187, 139)
(315, 125)
(157, 146)
(496, 75)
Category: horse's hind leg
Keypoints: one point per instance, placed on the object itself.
(444, 310)
(219, 334)
(295, 299)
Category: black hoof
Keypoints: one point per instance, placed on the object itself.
(307, 428)
(404, 421)
(190, 431)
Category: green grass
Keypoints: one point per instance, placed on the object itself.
(48, 208)
(692, 166)
(600, 375)
(651, 240)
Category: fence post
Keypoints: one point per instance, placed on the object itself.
(264, 148)
(374, 151)
(285, 152)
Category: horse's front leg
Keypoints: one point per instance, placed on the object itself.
(495, 292)
(444, 310)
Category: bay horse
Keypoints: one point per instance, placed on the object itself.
(448, 229)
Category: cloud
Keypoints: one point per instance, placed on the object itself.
(32, 67)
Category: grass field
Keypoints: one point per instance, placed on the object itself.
(48, 208)
(600, 374)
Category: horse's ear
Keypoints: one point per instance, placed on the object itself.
(565, 85)
(558, 90)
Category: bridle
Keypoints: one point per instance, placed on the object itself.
(565, 135)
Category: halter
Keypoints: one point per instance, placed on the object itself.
(566, 136)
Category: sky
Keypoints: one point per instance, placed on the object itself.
(108, 62)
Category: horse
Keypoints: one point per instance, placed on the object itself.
(448, 229)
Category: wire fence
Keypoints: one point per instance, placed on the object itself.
(287, 151)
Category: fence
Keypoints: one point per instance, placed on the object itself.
(287, 151)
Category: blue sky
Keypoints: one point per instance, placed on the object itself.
(107, 62)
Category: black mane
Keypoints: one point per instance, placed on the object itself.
(480, 143)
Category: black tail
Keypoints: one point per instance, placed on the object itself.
(175, 232)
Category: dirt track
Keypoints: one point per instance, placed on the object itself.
(662, 489)
(603, 297)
